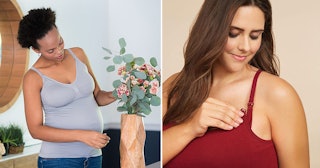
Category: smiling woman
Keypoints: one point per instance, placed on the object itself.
(14, 59)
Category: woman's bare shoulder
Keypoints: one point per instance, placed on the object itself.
(275, 85)
(276, 90)
(32, 78)
(31, 75)
(77, 50)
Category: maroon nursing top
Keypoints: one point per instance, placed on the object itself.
(238, 148)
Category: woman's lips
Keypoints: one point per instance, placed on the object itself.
(60, 57)
(238, 57)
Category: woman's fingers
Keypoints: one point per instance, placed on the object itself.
(96, 140)
(105, 139)
(221, 115)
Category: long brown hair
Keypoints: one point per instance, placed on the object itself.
(205, 45)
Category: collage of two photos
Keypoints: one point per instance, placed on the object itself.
(161, 83)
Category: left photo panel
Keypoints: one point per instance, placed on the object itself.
(85, 82)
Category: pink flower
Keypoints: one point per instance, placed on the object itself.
(134, 82)
(140, 81)
(146, 83)
(122, 70)
(132, 77)
(154, 87)
(122, 89)
(143, 89)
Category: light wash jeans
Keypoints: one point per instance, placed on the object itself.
(92, 162)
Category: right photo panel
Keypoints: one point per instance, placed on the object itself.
(240, 84)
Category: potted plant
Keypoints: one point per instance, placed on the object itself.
(17, 143)
(12, 138)
(136, 90)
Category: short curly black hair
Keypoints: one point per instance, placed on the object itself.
(35, 25)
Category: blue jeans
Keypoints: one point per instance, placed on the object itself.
(92, 162)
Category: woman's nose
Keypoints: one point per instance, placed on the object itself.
(244, 44)
(60, 49)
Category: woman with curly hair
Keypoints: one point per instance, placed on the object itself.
(228, 107)
(61, 96)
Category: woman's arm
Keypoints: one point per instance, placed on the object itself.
(32, 85)
(289, 127)
(212, 113)
(176, 138)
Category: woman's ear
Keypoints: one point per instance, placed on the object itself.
(36, 50)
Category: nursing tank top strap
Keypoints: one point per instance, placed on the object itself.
(253, 90)
(73, 55)
(36, 70)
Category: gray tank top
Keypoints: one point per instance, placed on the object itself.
(70, 106)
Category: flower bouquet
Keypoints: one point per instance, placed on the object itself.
(139, 82)
(136, 90)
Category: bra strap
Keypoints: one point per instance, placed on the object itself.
(253, 90)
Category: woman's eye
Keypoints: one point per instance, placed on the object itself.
(233, 35)
(254, 37)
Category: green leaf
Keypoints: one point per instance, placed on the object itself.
(122, 43)
(145, 99)
(149, 95)
(124, 98)
(114, 94)
(128, 67)
(133, 99)
(128, 58)
(145, 107)
(107, 50)
(153, 62)
(117, 59)
(122, 51)
(139, 61)
(138, 92)
(106, 57)
(159, 79)
(140, 75)
(110, 68)
(121, 109)
(116, 83)
(155, 101)
(129, 108)
(146, 112)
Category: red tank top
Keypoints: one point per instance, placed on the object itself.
(238, 148)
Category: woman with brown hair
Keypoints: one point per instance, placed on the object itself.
(228, 107)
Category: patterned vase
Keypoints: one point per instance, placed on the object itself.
(132, 141)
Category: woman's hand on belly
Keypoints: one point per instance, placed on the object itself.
(94, 139)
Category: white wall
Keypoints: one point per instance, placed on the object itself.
(96, 24)
(297, 39)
